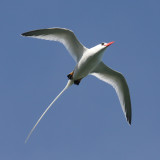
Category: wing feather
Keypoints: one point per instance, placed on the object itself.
(65, 36)
(119, 83)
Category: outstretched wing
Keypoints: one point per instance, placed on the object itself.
(119, 83)
(65, 36)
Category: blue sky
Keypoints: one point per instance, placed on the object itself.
(87, 121)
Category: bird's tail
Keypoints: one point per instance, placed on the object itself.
(70, 82)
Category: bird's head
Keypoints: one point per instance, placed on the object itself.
(104, 45)
(100, 48)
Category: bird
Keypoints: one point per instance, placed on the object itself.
(88, 62)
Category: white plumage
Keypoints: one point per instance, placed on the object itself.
(88, 61)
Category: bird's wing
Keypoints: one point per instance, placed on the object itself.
(119, 83)
(65, 36)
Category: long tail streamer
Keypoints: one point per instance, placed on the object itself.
(70, 82)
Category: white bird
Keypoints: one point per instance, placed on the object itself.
(88, 62)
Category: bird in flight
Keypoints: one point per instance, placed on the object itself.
(88, 62)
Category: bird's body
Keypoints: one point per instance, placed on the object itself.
(88, 61)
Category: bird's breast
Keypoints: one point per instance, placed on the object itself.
(85, 66)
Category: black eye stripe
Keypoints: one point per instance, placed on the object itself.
(102, 43)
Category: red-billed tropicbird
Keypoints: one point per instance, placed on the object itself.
(88, 62)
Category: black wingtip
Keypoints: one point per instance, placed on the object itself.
(24, 34)
(30, 33)
(129, 121)
(129, 117)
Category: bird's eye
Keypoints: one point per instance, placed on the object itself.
(102, 44)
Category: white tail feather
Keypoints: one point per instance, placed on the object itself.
(70, 82)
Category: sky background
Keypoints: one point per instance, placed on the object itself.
(87, 122)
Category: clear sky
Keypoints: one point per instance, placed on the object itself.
(87, 122)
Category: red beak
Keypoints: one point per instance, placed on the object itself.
(108, 44)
